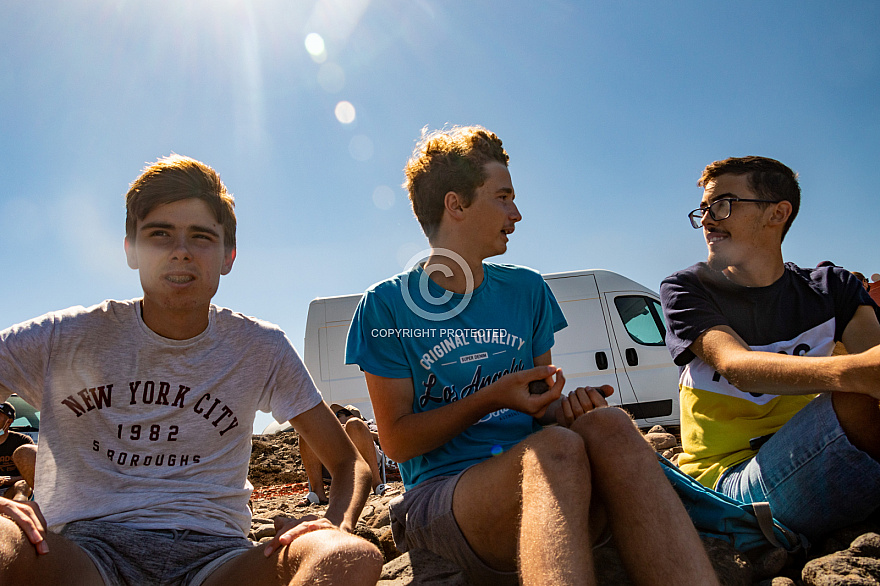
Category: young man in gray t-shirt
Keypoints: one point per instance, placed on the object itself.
(147, 410)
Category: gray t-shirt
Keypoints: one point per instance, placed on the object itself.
(146, 431)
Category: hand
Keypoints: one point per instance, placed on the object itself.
(580, 401)
(30, 519)
(5, 480)
(521, 399)
(289, 529)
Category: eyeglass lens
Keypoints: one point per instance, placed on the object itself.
(719, 210)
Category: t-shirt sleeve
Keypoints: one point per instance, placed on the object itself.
(368, 346)
(549, 319)
(24, 358)
(849, 294)
(290, 389)
(689, 312)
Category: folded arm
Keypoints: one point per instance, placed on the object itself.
(779, 374)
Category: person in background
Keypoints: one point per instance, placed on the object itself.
(16, 459)
(364, 439)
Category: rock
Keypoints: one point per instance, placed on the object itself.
(732, 567)
(386, 544)
(779, 581)
(767, 563)
(859, 565)
(661, 441)
(422, 568)
(840, 569)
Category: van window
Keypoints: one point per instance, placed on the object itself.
(642, 318)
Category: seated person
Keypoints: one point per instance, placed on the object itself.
(766, 413)
(14, 483)
(147, 409)
(486, 487)
(363, 438)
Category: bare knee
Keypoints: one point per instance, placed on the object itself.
(606, 424)
(355, 428)
(12, 545)
(335, 557)
(556, 448)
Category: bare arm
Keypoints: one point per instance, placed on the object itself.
(405, 435)
(779, 374)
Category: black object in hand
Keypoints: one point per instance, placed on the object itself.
(538, 387)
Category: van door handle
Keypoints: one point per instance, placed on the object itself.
(601, 361)
(632, 358)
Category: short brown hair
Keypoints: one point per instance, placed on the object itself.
(174, 178)
(768, 178)
(449, 160)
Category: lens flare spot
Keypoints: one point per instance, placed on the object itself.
(360, 147)
(345, 112)
(315, 46)
(496, 450)
(383, 197)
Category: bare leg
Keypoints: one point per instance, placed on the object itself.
(25, 459)
(321, 558)
(20, 491)
(859, 416)
(313, 467)
(360, 436)
(543, 481)
(65, 563)
(641, 504)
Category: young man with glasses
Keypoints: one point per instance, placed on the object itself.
(767, 413)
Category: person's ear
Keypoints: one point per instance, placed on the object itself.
(228, 259)
(453, 204)
(781, 211)
(130, 253)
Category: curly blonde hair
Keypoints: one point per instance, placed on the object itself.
(449, 160)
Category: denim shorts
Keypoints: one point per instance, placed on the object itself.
(815, 480)
(133, 557)
(422, 518)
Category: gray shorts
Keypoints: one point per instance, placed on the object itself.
(133, 557)
(422, 518)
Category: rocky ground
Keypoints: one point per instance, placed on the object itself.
(847, 557)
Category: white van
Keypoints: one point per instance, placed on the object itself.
(614, 336)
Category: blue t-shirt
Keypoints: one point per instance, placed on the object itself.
(455, 348)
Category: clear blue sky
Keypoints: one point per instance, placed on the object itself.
(609, 112)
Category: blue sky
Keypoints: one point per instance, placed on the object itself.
(609, 112)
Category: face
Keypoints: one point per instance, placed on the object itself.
(5, 423)
(492, 213)
(734, 241)
(179, 253)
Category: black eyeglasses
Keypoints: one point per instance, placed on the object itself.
(344, 412)
(720, 210)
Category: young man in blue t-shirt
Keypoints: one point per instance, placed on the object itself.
(449, 349)
(754, 337)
